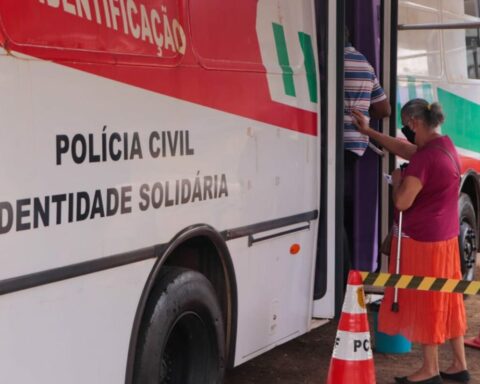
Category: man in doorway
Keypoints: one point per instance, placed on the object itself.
(364, 93)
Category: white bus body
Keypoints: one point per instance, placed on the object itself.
(439, 63)
(140, 134)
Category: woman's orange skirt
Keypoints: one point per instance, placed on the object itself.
(425, 317)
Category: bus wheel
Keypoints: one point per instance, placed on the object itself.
(181, 339)
(467, 239)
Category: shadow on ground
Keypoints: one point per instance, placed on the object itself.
(305, 360)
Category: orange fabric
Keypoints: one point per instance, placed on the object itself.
(425, 317)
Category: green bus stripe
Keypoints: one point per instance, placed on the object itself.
(412, 91)
(427, 92)
(399, 108)
(282, 54)
(461, 120)
(307, 48)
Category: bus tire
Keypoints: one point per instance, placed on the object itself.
(181, 339)
(467, 239)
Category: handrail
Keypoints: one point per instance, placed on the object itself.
(414, 27)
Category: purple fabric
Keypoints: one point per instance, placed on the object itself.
(363, 20)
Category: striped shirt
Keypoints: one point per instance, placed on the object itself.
(361, 90)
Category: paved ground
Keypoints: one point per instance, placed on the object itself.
(306, 359)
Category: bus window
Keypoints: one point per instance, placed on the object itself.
(462, 46)
(419, 51)
(472, 7)
(473, 53)
(472, 38)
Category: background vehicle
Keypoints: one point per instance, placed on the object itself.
(438, 48)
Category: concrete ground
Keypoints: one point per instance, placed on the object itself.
(305, 360)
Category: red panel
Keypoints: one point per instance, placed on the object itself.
(101, 50)
(469, 163)
(143, 28)
(237, 44)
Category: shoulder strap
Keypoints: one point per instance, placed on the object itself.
(449, 155)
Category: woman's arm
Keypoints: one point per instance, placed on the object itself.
(405, 190)
(396, 146)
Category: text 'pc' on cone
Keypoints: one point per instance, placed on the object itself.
(352, 358)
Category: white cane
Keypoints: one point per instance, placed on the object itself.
(395, 306)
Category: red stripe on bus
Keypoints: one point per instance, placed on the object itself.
(469, 163)
(235, 84)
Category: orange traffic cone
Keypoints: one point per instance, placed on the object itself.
(352, 359)
(475, 342)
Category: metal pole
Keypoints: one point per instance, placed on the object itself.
(395, 306)
(416, 27)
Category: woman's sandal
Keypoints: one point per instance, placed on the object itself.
(460, 377)
(432, 380)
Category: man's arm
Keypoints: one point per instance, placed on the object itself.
(380, 109)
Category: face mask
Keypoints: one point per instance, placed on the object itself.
(409, 134)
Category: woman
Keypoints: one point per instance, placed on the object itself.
(427, 193)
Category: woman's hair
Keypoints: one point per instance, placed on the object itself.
(431, 114)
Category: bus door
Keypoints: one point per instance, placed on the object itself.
(363, 21)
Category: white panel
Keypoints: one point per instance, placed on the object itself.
(275, 291)
(294, 18)
(263, 181)
(325, 307)
(76, 331)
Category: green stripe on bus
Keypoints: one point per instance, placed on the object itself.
(307, 48)
(412, 90)
(282, 53)
(399, 108)
(461, 120)
(427, 92)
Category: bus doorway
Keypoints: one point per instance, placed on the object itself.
(359, 247)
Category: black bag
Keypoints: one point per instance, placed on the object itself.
(387, 243)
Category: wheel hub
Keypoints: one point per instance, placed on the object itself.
(470, 248)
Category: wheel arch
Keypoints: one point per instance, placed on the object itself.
(203, 249)
(470, 185)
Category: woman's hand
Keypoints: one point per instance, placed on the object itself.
(361, 122)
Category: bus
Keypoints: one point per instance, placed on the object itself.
(172, 180)
(439, 60)
(160, 168)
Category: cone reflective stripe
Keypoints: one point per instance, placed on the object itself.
(352, 358)
(475, 342)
